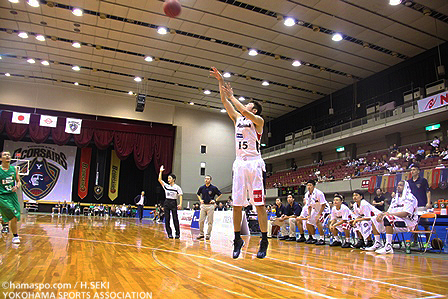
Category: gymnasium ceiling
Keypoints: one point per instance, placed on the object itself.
(117, 35)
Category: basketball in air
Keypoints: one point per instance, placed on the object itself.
(172, 8)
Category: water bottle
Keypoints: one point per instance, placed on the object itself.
(408, 246)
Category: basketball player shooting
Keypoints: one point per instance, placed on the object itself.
(9, 203)
(248, 167)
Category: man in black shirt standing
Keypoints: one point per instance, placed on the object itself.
(420, 189)
(208, 192)
(379, 200)
(291, 212)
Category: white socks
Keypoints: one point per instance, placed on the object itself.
(377, 238)
(389, 238)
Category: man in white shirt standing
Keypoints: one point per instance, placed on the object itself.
(318, 209)
(172, 192)
(139, 200)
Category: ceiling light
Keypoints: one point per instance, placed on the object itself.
(33, 3)
(76, 45)
(191, 103)
(253, 52)
(226, 75)
(31, 60)
(138, 79)
(76, 68)
(40, 37)
(1, 58)
(7, 74)
(394, 2)
(23, 35)
(162, 30)
(207, 91)
(242, 99)
(130, 93)
(14, 1)
(337, 37)
(223, 111)
(76, 83)
(296, 63)
(77, 12)
(265, 83)
(289, 22)
(148, 58)
(45, 62)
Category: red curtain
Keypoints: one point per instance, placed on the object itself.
(146, 142)
(103, 138)
(59, 135)
(37, 133)
(82, 140)
(124, 144)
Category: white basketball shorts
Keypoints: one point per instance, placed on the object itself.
(401, 225)
(248, 182)
(364, 227)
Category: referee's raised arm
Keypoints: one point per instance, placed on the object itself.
(160, 176)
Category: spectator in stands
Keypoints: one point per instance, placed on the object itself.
(420, 155)
(434, 153)
(379, 200)
(279, 211)
(321, 163)
(394, 149)
(291, 212)
(366, 169)
(412, 163)
(435, 143)
(331, 176)
(356, 172)
(441, 165)
(400, 217)
(393, 157)
(221, 207)
(408, 156)
(444, 154)
(294, 165)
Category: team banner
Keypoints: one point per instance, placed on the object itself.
(435, 178)
(427, 174)
(84, 171)
(50, 176)
(114, 175)
(73, 125)
(100, 175)
(433, 102)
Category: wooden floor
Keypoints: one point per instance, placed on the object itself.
(133, 258)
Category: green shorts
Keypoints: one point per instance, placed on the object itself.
(9, 207)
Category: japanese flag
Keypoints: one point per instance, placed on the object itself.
(21, 118)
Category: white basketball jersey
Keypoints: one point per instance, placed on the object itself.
(247, 139)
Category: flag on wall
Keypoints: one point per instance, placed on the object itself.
(100, 176)
(48, 121)
(84, 171)
(20, 118)
(73, 125)
(384, 183)
(372, 184)
(114, 176)
(391, 183)
(427, 174)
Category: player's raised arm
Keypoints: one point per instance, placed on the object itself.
(160, 176)
(233, 114)
(244, 110)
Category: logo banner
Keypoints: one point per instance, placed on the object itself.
(433, 102)
(48, 121)
(100, 176)
(73, 126)
(84, 171)
(51, 170)
(114, 175)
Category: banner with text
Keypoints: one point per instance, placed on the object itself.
(433, 102)
(114, 176)
(51, 170)
(84, 171)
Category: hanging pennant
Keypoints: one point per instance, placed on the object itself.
(114, 175)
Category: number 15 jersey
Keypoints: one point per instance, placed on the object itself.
(247, 139)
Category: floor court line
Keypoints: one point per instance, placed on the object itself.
(433, 295)
(193, 255)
